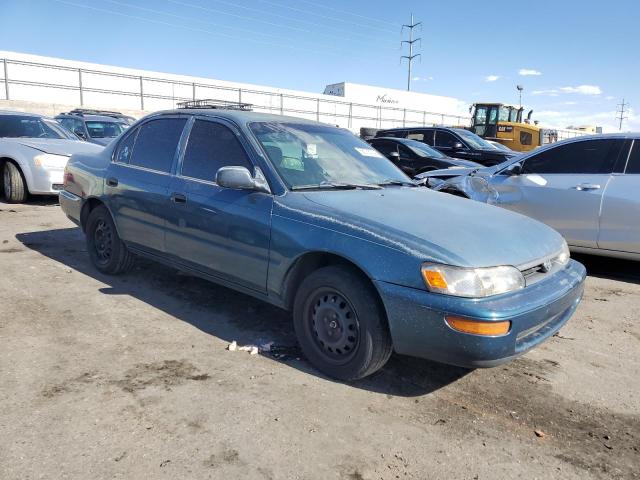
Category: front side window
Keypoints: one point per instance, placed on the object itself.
(423, 150)
(385, 147)
(585, 157)
(445, 139)
(633, 164)
(18, 126)
(211, 146)
(156, 144)
(310, 155)
(481, 115)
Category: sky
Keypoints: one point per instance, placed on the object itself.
(576, 60)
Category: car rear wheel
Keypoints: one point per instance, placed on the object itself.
(108, 253)
(340, 324)
(15, 190)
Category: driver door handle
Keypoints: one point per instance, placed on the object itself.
(178, 198)
(112, 182)
(587, 186)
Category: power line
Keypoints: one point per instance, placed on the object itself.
(194, 29)
(411, 57)
(372, 19)
(267, 22)
(335, 19)
(621, 112)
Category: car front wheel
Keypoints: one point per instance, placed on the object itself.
(340, 324)
(108, 253)
(15, 190)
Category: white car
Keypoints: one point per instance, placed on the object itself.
(33, 153)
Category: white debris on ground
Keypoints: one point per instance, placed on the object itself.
(252, 349)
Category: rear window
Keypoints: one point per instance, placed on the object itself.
(156, 144)
(633, 165)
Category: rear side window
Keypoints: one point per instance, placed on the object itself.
(211, 146)
(445, 139)
(633, 165)
(125, 148)
(587, 157)
(156, 144)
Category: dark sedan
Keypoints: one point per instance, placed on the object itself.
(455, 142)
(414, 157)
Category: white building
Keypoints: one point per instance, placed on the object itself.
(50, 85)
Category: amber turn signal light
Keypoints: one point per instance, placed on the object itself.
(479, 328)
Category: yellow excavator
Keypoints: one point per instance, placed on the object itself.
(503, 123)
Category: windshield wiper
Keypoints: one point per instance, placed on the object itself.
(336, 186)
(402, 183)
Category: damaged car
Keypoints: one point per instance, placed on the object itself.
(312, 219)
(587, 188)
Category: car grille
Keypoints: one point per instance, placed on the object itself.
(57, 186)
(540, 271)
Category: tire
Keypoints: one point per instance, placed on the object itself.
(15, 189)
(340, 324)
(108, 253)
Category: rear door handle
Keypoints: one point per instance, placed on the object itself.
(112, 182)
(587, 186)
(178, 198)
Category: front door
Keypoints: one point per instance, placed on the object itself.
(563, 187)
(219, 231)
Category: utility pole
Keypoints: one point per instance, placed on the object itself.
(410, 42)
(621, 112)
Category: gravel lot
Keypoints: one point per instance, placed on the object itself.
(129, 377)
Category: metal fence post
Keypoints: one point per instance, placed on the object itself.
(441, 119)
(194, 90)
(239, 95)
(6, 79)
(424, 118)
(317, 109)
(281, 105)
(80, 86)
(350, 114)
(141, 95)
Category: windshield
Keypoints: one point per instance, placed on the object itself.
(423, 149)
(17, 126)
(315, 155)
(474, 140)
(100, 129)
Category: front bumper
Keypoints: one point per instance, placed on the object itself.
(418, 327)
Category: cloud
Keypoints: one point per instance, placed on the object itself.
(421, 79)
(580, 89)
(491, 78)
(605, 119)
(528, 72)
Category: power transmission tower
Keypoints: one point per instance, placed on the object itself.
(410, 42)
(621, 112)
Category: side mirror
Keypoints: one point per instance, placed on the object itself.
(239, 178)
(394, 156)
(457, 146)
(514, 170)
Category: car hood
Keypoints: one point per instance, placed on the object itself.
(434, 226)
(56, 146)
(102, 141)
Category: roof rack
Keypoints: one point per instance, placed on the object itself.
(215, 104)
(89, 111)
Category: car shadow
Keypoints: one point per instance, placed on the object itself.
(36, 200)
(230, 315)
(610, 268)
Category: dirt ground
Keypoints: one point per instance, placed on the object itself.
(128, 377)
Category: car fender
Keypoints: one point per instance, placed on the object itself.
(22, 156)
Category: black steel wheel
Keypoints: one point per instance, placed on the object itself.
(108, 253)
(340, 323)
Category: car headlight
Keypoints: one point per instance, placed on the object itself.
(564, 255)
(471, 282)
(48, 160)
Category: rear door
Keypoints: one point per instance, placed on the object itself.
(220, 231)
(563, 187)
(620, 217)
(137, 181)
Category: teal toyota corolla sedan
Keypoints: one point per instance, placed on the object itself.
(312, 219)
